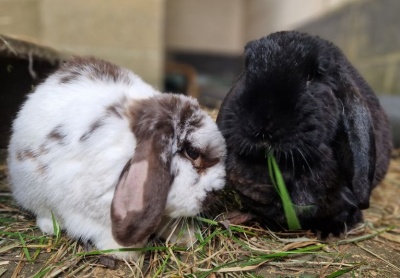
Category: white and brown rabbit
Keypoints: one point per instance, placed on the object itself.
(300, 99)
(109, 156)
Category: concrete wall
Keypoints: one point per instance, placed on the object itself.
(225, 26)
(205, 26)
(368, 32)
(266, 16)
(127, 32)
(20, 17)
(134, 33)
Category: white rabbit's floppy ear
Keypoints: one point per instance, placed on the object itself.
(141, 194)
(357, 145)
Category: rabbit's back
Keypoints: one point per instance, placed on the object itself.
(70, 140)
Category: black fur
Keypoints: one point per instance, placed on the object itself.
(301, 99)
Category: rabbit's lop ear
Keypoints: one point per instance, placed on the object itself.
(357, 145)
(141, 194)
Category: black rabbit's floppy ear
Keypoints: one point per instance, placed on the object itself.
(141, 194)
(357, 155)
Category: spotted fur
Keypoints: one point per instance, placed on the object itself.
(107, 155)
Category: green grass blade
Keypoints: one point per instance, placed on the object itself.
(19, 235)
(340, 272)
(38, 250)
(262, 258)
(271, 171)
(208, 221)
(288, 207)
(56, 228)
(161, 269)
(144, 249)
(42, 272)
(24, 248)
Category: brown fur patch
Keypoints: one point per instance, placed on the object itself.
(189, 117)
(69, 76)
(33, 154)
(56, 134)
(152, 117)
(43, 149)
(41, 169)
(209, 157)
(26, 154)
(92, 129)
(115, 110)
(93, 69)
(207, 162)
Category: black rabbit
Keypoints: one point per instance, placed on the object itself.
(300, 99)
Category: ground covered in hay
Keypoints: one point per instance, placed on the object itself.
(221, 250)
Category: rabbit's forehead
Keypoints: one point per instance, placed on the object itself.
(177, 118)
(208, 138)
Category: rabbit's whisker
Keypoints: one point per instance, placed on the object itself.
(292, 158)
(305, 160)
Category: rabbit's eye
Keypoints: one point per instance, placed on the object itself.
(192, 153)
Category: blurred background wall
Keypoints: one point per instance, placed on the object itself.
(210, 35)
(203, 40)
(224, 26)
(127, 32)
(195, 46)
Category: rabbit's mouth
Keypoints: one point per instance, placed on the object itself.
(262, 142)
(249, 146)
(284, 150)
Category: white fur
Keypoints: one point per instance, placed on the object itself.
(185, 197)
(75, 179)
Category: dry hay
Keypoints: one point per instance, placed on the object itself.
(221, 250)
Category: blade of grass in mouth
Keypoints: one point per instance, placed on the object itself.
(279, 184)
